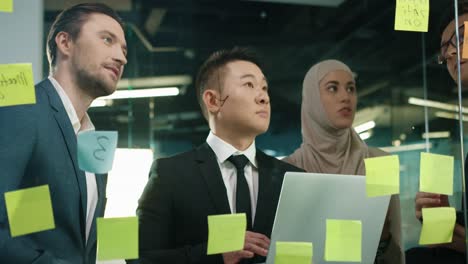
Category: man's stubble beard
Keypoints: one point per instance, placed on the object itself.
(92, 84)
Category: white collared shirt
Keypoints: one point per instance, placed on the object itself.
(78, 127)
(223, 151)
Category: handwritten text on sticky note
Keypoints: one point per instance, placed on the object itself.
(412, 15)
(16, 84)
(96, 150)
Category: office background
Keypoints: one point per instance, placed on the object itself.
(168, 40)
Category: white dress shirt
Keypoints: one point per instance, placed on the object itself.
(78, 127)
(223, 151)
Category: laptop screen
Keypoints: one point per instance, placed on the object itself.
(307, 200)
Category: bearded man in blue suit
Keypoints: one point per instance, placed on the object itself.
(38, 145)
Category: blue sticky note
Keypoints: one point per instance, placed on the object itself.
(96, 150)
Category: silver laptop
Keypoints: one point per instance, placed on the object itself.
(307, 200)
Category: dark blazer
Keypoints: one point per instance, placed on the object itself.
(38, 146)
(182, 191)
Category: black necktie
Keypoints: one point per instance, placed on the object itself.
(242, 190)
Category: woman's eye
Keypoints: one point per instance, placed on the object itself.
(331, 88)
(351, 89)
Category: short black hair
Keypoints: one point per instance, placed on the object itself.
(212, 72)
(71, 20)
(449, 14)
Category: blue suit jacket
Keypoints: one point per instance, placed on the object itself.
(38, 146)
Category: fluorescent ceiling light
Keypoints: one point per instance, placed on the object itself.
(140, 93)
(437, 134)
(158, 81)
(365, 135)
(447, 115)
(406, 147)
(364, 127)
(436, 104)
(98, 103)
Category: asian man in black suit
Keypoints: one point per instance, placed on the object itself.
(185, 189)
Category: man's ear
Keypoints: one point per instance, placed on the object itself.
(64, 43)
(211, 100)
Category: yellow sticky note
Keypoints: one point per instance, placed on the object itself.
(382, 175)
(436, 174)
(29, 210)
(343, 240)
(6, 6)
(465, 40)
(293, 252)
(226, 233)
(16, 84)
(438, 225)
(412, 15)
(117, 238)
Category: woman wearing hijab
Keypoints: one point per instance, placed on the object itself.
(330, 144)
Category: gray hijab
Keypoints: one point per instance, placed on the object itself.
(325, 148)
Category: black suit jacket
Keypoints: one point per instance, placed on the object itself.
(180, 194)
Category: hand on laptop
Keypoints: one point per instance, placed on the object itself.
(426, 200)
(255, 243)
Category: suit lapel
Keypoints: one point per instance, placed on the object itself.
(211, 173)
(69, 137)
(265, 188)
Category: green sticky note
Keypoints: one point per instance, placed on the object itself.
(293, 252)
(382, 175)
(438, 225)
(117, 238)
(411, 15)
(16, 84)
(226, 233)
(96, 150)
(343, 240)
(436, 174)
(29, 210)
(6, 6)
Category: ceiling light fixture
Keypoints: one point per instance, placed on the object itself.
(156, 81)
(365, 135)
(364, 127)
(435, 104)
(138, 93)
(436, 134)
(447, 115)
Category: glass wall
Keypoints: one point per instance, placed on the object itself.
(407, 99)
